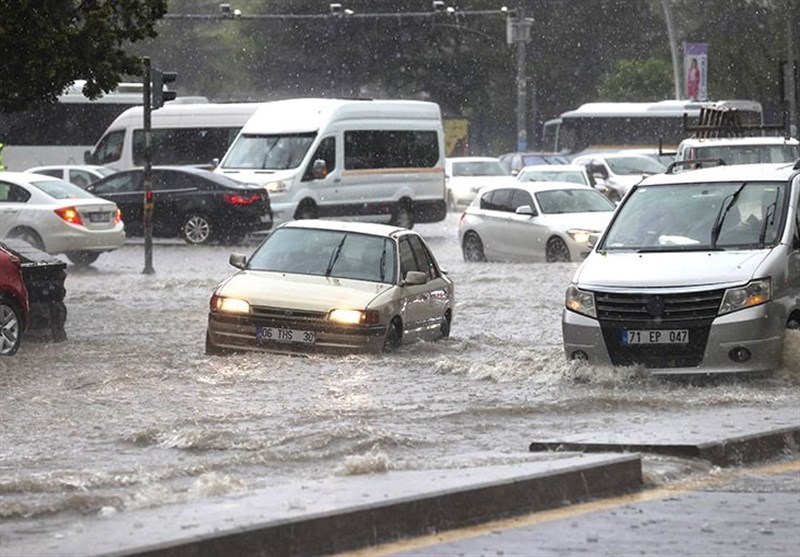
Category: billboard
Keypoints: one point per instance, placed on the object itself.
(695, 67)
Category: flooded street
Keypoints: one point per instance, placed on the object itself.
(130, 413)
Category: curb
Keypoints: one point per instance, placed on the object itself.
(726, 452)
(372, 524)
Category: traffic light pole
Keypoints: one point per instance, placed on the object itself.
(148, 174)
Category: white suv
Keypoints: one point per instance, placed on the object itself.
(739, 150)
(698, 272)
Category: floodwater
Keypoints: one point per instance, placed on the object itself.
(129, 412)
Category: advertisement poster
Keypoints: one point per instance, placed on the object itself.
(695, 64)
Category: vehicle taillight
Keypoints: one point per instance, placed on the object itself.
(70, 214)
(236, 199)
(117, 216)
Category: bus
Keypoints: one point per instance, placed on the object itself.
(60, 133)
(611, 126)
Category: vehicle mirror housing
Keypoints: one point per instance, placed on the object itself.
(414, 278)
(238, 260)
(87, 157)
(525, 210)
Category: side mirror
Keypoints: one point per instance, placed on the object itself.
(89, 188)
(87, 157)
(319, 169)
(525, 210)
(238, 260)
(214, 162)
(414, 278)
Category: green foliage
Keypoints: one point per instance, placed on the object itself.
(634, 80)
(48, 44)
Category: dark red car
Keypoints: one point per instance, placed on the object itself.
(13, 303)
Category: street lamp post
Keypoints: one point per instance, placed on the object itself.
(518, 32)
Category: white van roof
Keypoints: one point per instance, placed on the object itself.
(310, 114)
(187, 115)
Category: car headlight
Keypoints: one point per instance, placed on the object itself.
(580, 301)
(580, 236)
(278, 187)
(229, 305)
(754, 293)
(354, 316)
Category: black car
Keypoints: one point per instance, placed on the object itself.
(191, 203)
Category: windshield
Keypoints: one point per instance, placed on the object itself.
(59, 189)
(309, 251)
(749, 154)
(699, 217)
(572, 176)
(479, 168)
(635, 165)
(269, 152)
(573, 201)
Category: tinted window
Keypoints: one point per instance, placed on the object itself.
(497, 200)
(171, 180)
(110, 148)
(520, 198)
(119, 183)
(184, 145)
(54, 172)
(390, 149)
(12, 193)
(422, 257)
(326, 152)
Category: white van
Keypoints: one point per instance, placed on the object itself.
(335, 158)
(698, 272)
(182, 134)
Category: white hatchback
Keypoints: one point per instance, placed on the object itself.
(545, 221)
(316, 285)
(58, 217)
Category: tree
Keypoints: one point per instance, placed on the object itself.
(45, 45)
(634, 80)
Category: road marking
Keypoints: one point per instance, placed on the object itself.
(715, 478)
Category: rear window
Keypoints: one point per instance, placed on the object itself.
(59, 189)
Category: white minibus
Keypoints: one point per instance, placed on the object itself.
(345, 158)
(182, 134)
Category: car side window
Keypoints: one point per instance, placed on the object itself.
(80, 178)
(54, 172)
(520, 198)
(407, 260)
(12, 193)
(170, 180)
(110, 147)
(327, 152)
(423, 257)
(119, 183)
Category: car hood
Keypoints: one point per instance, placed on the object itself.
(257, 177)
(301, 292)
(592, 222)
(672, 269)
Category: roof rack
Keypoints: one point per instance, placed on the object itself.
(725, 122)
(694, 163)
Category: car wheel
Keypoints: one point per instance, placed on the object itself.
(196, 229)
(30, 236)
(472, 248)
(445, 327)
(306, 210)
(10, 328)
(556, 251)
(403, 215)
(394, 336)
(83, 258)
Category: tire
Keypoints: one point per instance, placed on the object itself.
(556, 251)
(30, 236)
(394, 336)
(403, 215)
(472, 247)
(10, 328)
(306, 210)
(83, 258)
(196, 229)
(445, 327)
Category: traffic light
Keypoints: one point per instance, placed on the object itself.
(160, 96)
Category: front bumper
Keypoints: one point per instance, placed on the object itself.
(758, 330)
(239, 333)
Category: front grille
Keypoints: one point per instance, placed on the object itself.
(693, 311)
(287, 317)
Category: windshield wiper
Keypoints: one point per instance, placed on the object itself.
(716, 228)
(335, 255)
(769, 218)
